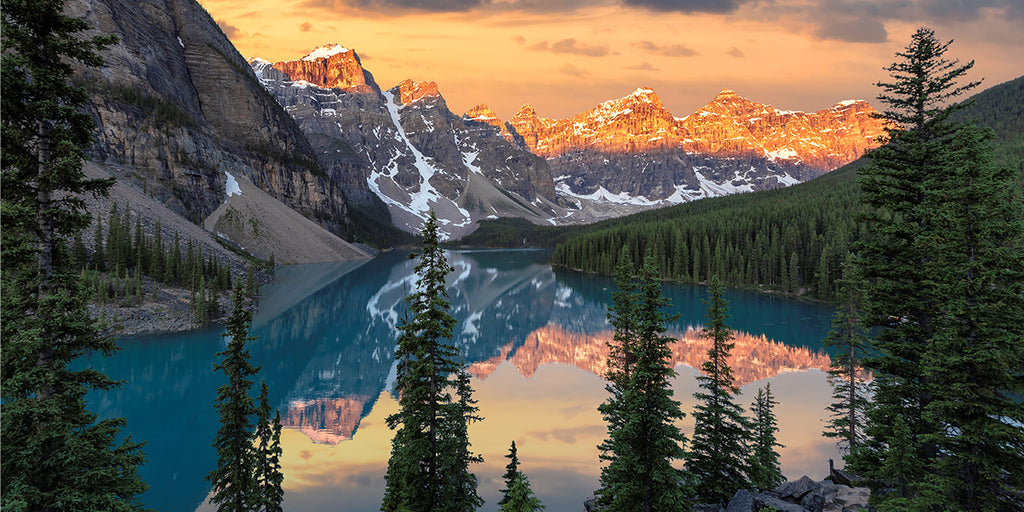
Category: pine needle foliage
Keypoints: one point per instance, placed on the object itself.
(56, 455)
(848, 343)
(765, 473)
(430, 452)
(944, 286)
(718, 455)
(643, 438)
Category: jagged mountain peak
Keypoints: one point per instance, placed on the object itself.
(326, 52)
(330, 66)
(482, 113)
(410, 91)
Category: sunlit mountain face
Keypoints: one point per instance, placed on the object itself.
(534, 339)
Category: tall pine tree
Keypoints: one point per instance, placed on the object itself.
(848, 343)
(944, 278)
(55, 454)
(429, 465)
(765, 473)
(718, 454)
(234, 480)
(643, 439)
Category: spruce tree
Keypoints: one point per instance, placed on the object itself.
(234, 486)
(718, 454)
(520, 497)
(643, 439)
(511, 472)
(848, 344)
(55, 454)
(974, 374)
(268, 478)
(765, 472)
(943, 286)
(428, 468)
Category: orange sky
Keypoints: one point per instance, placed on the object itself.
(565, 56)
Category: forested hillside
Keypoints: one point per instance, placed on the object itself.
(792, 240)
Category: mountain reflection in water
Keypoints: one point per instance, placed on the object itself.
(535, 341)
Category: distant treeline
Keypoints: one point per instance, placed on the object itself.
(793, 240)
(122, 255)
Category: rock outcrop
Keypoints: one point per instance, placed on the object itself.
(178, 108)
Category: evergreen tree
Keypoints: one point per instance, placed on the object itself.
(718, 453)
(520, 497)
(428, 468)
(974, 372)
(511, 472)
(765, 472)
(233, 480)
(55, 454)
(943, 284)
(643, 439)
(268, 468)
(848, 344)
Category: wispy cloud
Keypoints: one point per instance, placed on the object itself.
(735, 52)
(571, 46)
(229, 30)
(671, 50)
(572, 70)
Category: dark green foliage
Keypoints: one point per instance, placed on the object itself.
(847, 343)
(269, 478)
(897, 282)
(520, 497)
(944, 285)
(718, 454)
(511, 472)
(429, 465)
(234, 482)
(765, 473)
(56, 456)
(643, 438)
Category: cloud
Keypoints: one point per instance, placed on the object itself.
(572, 70)
(229, 30)
(736, 52)
(672, 50)
(306, 27)
(570, 46)
(519, 39)
(861, 30)
(385, 5)
(687, 6)
(643, 66)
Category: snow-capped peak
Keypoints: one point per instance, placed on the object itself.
(323, 52)
(847, 103)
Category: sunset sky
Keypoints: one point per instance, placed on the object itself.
(566, 56)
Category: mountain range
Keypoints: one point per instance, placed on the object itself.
(181, 114)
(625, 154)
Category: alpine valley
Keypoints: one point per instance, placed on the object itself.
(319, 142)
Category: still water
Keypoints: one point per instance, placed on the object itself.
(535, 343)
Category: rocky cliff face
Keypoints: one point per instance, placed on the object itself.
(178, 108)
(633, 151)
(417, 156)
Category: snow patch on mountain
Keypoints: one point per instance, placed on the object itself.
(323, 52)
(231, 187)
(426, 198)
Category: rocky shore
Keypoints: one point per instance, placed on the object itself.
(834, 493)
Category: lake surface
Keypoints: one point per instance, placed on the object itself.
(535, 343)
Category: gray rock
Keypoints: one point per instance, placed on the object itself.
(762, 501)
(813, 501)
(742, 501)
(796, 490)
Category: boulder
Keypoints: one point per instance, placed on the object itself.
(742, 501)
(762, 501)
(796, 490)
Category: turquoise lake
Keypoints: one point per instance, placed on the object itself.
(534, 339)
